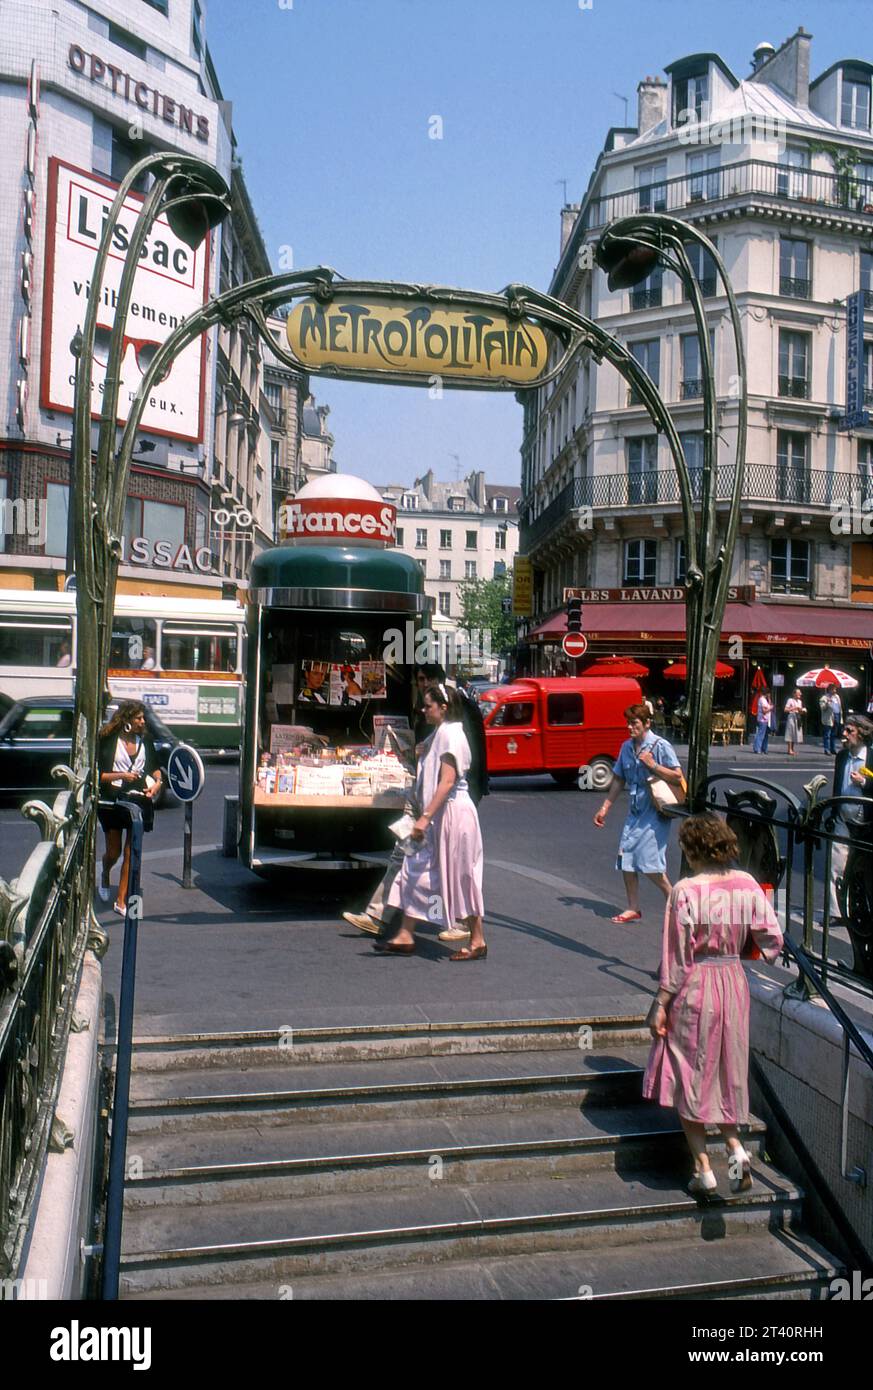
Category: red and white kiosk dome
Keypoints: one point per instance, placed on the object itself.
(337, 508)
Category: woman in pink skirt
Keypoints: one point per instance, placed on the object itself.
(442, 881)
(699, 1020)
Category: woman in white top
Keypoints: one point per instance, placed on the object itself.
(442, 881)
(793, 725)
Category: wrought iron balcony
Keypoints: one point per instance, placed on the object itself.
(763, 483)
(691, 387)
(284, 479)
(708, 288)
(794, 287)
(796, 386)
(777, 182)
(647, 298)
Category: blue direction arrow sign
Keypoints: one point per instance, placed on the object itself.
(185, 772)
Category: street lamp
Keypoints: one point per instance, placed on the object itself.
(628, 251)
(193, 197)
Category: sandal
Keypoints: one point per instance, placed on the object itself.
(628, 916)
(394, 948)
(466, 953)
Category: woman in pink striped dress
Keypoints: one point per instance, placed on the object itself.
(699, 1020)
(442, 882)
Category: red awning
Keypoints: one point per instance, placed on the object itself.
(785, 624)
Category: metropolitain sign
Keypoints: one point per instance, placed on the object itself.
(404, 336)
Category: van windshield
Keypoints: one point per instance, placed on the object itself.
(486, 706)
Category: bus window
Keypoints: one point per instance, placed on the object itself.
(198, 649)
(35, 641)
(134, 644)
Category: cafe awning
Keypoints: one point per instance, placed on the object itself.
(773, 624)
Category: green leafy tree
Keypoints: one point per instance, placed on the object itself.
(486, 606)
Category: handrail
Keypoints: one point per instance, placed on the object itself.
(45, 927)
(851, 1036)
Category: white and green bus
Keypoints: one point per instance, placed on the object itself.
(181, 656)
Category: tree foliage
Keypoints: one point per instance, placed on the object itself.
(483, 604)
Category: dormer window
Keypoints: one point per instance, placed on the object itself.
(456, 504)
(500, 504)
(690, 93)
(855, 105)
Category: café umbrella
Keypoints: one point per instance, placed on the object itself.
(616, 666)
(679, 671)
(823, 676)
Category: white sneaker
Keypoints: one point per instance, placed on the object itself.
(705, 1181)
(363, 922)
(740, 1163)
(454, 934)
(104, 894)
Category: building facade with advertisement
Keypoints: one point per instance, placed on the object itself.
(777, 170)
(84, 93)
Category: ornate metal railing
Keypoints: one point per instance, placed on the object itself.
(788, 840)
(762, 482)
(46, 924)
(780, 182)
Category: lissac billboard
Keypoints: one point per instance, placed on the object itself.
(171, 282)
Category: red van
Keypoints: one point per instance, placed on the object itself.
(559, 725)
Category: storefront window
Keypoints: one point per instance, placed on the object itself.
(57, 498)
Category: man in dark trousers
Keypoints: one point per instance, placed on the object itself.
(853, 860)
(378, 919)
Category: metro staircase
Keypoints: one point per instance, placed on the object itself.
(489, 1160)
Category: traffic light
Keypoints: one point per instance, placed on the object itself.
(574, 615)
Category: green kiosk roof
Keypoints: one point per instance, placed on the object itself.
(335, 576)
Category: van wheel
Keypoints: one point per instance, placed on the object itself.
(596, 775)
(565, 778)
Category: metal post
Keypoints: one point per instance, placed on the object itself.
(124, 1049)
(187, 838)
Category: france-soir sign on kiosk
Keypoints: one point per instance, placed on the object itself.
(328, 745)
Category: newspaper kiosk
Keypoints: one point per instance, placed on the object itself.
(332, 616)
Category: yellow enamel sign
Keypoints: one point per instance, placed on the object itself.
(368, 334)
(522, 587)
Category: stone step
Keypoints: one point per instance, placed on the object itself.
(237, 1242)
(201, 1051)
(227, 1165)
(755, 1265)
(362, 1090)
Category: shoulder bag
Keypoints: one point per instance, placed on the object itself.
(666, 795)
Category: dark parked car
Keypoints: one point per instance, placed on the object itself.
(37, 734)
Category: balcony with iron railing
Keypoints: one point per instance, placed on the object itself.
(766, 484)
(777, 182)
(795, 386)
(691, 388)
(284, 479)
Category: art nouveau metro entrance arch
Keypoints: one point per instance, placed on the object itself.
(396, 334)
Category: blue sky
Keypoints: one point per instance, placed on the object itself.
(332, 107)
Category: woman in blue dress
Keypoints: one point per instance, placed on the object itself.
(642, 848)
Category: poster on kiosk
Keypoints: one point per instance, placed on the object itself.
(334, 615)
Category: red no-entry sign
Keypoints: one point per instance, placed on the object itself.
(575, 644)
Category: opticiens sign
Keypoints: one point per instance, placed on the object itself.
(368, 334)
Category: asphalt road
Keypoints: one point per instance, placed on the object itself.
(239, 952)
